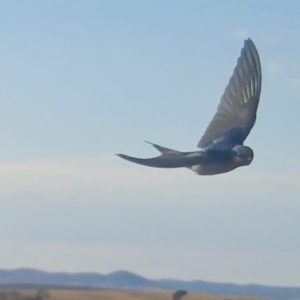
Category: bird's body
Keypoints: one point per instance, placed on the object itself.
(221, 146)
(216, 168)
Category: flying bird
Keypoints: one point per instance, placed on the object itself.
(221, 148)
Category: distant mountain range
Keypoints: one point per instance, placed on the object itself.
(131, 281)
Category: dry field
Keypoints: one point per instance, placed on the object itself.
(118, 295)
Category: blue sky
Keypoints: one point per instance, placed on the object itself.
(82, 80)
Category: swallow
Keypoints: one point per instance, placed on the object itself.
(221, 148)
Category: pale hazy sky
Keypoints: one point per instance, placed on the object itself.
(82, 80)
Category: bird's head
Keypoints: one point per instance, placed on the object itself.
(245, 154)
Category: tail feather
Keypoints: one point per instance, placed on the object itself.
(166, 160)
(165, 150)
(157, 162)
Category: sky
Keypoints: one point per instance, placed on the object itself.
(83, 80)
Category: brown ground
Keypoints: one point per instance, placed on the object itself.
(121, 295)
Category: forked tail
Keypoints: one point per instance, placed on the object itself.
(169, 158)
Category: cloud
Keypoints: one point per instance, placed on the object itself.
(275, 67)
(224, 264)
(295, 83)
(270, 37)
(85, 171)
(78, 213)
(242, 33)
(107, 176)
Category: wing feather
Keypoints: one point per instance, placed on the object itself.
(236, 113)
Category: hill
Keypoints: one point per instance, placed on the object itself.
(131, 281)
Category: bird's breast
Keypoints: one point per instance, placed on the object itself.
(217, 168)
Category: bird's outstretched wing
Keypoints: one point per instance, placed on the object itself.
(236, 113)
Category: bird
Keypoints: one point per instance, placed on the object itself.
(179, 294)
(221, 147)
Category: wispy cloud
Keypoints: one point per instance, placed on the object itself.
(107, 176)
(199, 261)
(270, 37)
(242, 33)
(275, 67)
(295, 83)
(101, 211)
